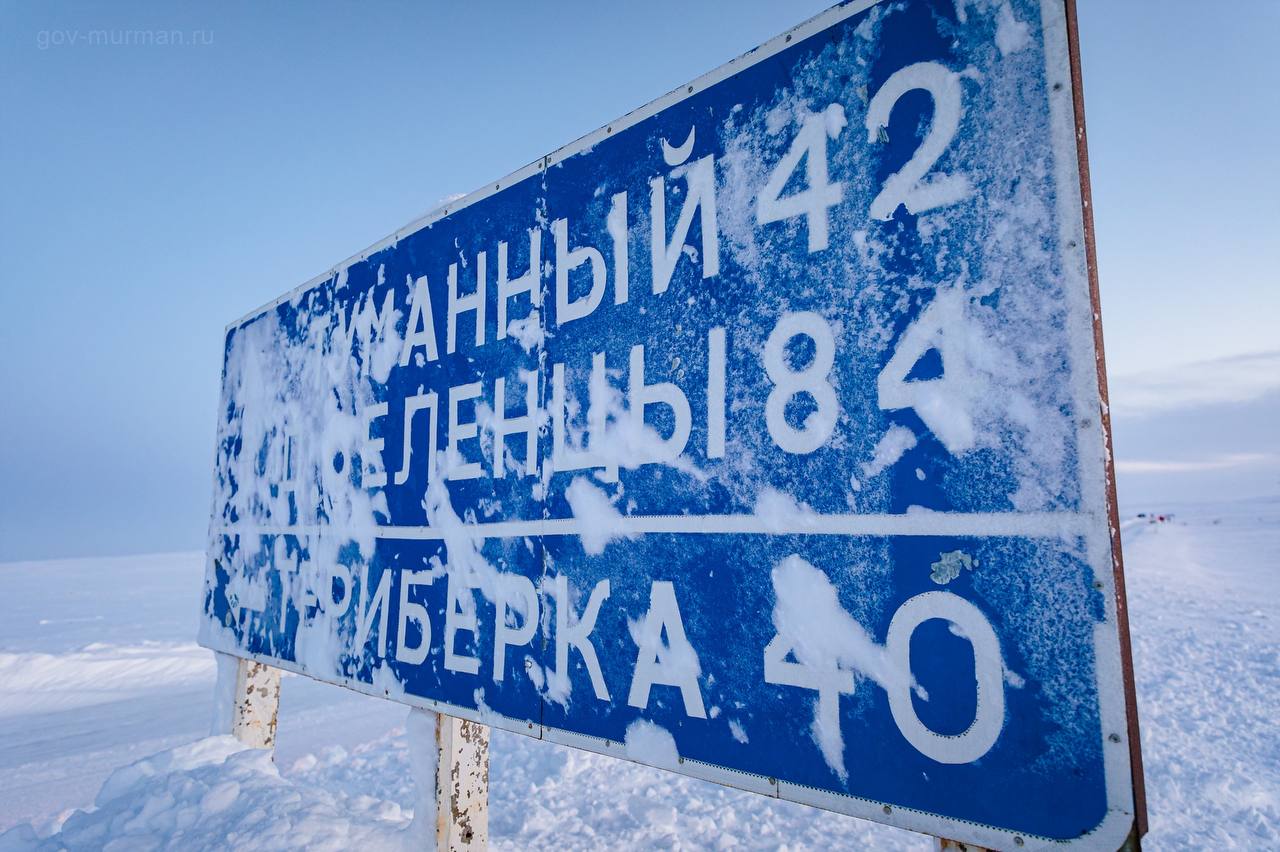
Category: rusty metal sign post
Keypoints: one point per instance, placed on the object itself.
(449, 756)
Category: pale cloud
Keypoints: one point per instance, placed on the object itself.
(1221, 462)
(1240, 378)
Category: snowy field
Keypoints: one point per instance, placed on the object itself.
(98, 671)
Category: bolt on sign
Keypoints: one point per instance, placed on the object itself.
(758, 435)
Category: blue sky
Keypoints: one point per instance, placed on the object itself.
(151, 193)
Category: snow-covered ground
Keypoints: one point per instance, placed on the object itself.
(98, 671)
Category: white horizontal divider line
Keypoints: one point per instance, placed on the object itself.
(915, 523)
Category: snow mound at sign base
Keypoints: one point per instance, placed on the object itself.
(217, 793)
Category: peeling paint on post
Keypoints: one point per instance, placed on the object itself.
(255, 702)
(462, 785)
(945, 845)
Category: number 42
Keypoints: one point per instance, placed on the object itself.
(909, 186)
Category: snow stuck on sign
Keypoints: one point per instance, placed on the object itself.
(677, 424)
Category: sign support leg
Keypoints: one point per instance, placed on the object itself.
(246, 701)
(450, 760)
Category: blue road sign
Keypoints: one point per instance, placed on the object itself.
(757, 435)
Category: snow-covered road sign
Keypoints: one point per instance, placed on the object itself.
(757, 435)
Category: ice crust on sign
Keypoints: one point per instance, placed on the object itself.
(651, 744)
(1000, 300)
(602, 522)
(895, 442)
(294, 449)
(1003, 321)
(825, 639)
(984, 294)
